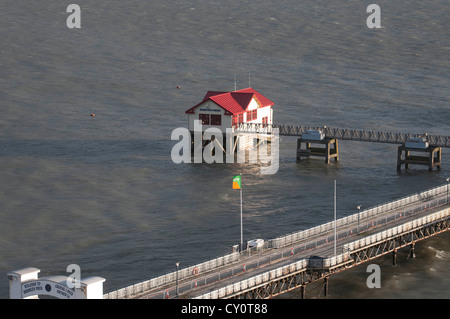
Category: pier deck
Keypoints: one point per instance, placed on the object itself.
(330, 136)
(286, 263)
(346, 134)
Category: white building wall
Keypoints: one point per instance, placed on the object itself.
(262, 112)
(253, 105)
(210, 108)
(265, 112)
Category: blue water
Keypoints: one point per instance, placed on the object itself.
(102, 192)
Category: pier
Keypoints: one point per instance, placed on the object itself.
(432, 148)
(312, 255)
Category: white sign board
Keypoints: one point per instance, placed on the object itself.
(49, 288)
(24, 283)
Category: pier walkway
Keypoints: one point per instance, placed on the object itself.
(295, 260)
(418, 149)
(345, 134)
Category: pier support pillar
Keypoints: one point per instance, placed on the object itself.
(394, 257)
(325, 286)
(303, 292)
(412, 253)
(433, 159)
(329, 151)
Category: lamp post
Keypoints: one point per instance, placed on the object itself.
(335, 226)
(242, 227)
(359, 210)
(177, 264)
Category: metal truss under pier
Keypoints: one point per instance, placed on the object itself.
(432, 144)
(300, 279)
(297, 259)
(400, 241)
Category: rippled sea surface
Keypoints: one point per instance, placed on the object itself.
(102, 192)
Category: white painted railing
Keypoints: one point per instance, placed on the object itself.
(364, 216)
(255, 281)
(287, 240)
(171, 277)
(327, 262)
(395, 231)
(345, 134)
(269, 276)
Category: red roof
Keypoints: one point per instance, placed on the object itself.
(234, 102)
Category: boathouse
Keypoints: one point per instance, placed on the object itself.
(226, 110)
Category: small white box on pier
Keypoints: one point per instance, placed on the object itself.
(257, 243)
(313, 135)
(416, 142)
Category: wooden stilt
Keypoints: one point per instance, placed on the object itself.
(302, 291)
(327, 155)
(336, 150)
(412, 253)
(329, 151)
(299, 147)
(404, 157)
(325, 287)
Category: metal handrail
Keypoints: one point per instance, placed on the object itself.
(344, 133)
(279, 242)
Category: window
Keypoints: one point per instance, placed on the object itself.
(204, 119)
(216, 119)
(252, 115)
(241, 118)
(265, 121)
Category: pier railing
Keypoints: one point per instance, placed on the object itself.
(345, 256)
(416, 203)
(345, 134)
(366, 215)
(171, 277)
(395, 231)
(270, 275)
(255, 281)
